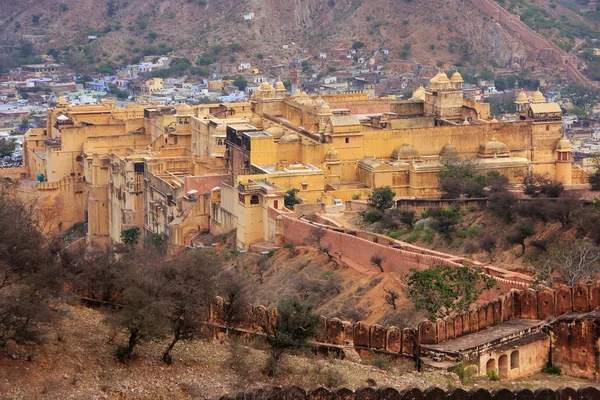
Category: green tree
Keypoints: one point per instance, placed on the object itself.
(290, 199)
(382, 198)
(292, 330)
(521, 231)
(358, 45)
(130, 236)
(584, 97)
(7, 146)
(443, 290)
(240, 82)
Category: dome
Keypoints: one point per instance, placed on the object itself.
(62, 101)
(521, 97)
(275, 131)
(279, 86)
(442, 77)
(494, 120)
(266, 86)
(290, 138)
(405, 152)
(449, 150)
(332, 155)
(466, 122)
(433, 82)
(564, 144)
(297, 93)
(325, 109)
(538, 97)
(419, 93)
(457, 78)
(319, 101)
(493, 148)
(256, 121)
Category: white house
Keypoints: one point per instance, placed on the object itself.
(248, 16)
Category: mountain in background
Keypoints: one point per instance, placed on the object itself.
(433, 32)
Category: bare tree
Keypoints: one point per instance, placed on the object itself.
(231, 287)
(316, 238)
(572, 262)
(377, 260)
(391, 296)
(188, 285)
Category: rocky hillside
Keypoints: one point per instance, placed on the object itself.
(431, 32)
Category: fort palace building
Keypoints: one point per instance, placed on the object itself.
(182, 171)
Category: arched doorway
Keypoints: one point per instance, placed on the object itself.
(503, 366)
(490, 366)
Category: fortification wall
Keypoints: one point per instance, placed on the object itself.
(544, 46)
(525, 304)
(14, 173)
(361, 250)
(387, 393)
(331, 332)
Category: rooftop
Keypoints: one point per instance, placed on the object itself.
(291, 169)
(491, 334)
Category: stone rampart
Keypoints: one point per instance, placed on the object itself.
(360, 250)
(525, 304)
(432, 393)
(544, 46)
(331, 332)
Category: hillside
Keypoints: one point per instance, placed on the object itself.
(431, 32)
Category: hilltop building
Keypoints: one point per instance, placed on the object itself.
(180, 171)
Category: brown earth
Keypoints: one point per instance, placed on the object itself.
(434, 29)
(77, 362)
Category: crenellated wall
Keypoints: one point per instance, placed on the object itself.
(525, 304)
(387, 393)
(331, 332)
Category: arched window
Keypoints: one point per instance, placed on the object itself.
(514, 359)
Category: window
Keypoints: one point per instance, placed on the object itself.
(254, 199)
(276, 204)
(241, 198)
(547, 127)
(514, 359)
(347, 140)
(304, 185)
(175, 140)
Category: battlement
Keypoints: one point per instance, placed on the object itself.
(387, 393)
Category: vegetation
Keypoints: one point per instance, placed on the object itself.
(292, 330)
(382, 198)
(459, 177)
(443, 290)
(290, 199)
(569, 263)
(7, 146)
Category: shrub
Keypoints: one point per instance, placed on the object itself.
(413, 237)
(330, 377)
(372, 215)
(381, 362)
(493, 375)
(428, 235)
(551, 369)
(395, 234)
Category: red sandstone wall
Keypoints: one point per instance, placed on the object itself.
(330, 332)
(204, 184)
(526, 304)
(360, 250)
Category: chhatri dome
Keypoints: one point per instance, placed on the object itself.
(564, 145)
(332, 155)
(419, 93)
(404, 153)
(275, 131)
(538, 97)
(279, 86)
(449, 150)
(522, 97)
(493, 148)
(290, 138)
(457, 78)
